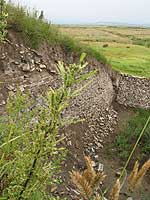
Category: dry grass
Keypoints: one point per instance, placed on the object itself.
(114, 195)
(93, 34)
(137, 175)
(89, 180)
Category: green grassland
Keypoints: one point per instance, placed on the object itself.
(127, 49)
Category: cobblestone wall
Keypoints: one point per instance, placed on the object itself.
(134, 91)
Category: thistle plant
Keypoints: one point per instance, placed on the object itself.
(3, 19)
(30, 153)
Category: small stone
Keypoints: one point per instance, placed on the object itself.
(39, 69)
(118, 174)
(3, 102)
(8, 72)
(42, 66)
(16, 63)
(3, 57)
(53, 71)
(22, 52)
(96, 156)
(53, 189)
(32, 68)
(99, 145)
(10, 88)
(69, 143)
(37, 60)
(21, 88)
(32, 61)
(26, 68)
(100, 167)
(29, 54)
(26, 76)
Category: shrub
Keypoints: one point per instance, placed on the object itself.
(143, 42)
(33, 29)
(3, 22)
(29, 150)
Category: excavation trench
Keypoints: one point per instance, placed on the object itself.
(27, 69)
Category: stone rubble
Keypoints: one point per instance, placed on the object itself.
(134, 91)
(23, 68)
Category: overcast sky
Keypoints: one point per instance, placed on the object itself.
(92, 11)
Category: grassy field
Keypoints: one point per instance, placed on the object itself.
(127, 49)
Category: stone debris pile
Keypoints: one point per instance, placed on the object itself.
(22, 58)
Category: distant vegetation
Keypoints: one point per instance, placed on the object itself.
(126, 49)
(143, 42)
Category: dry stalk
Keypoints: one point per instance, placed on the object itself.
(137, 175)
(82, 185)
(114, 195)
(98, 197)
(88, 181)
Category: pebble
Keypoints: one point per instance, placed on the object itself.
(100, 167)
(26, 67)
(10, 87)
(118, 174)
(22, 52)
(42, 66)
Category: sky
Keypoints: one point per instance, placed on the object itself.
(92, 11)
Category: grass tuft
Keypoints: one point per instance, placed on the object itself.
(35, 31)
(127, 138)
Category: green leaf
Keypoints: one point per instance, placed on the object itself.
(61, 69)
(82, 57)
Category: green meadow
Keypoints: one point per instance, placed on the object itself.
(126, 49)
